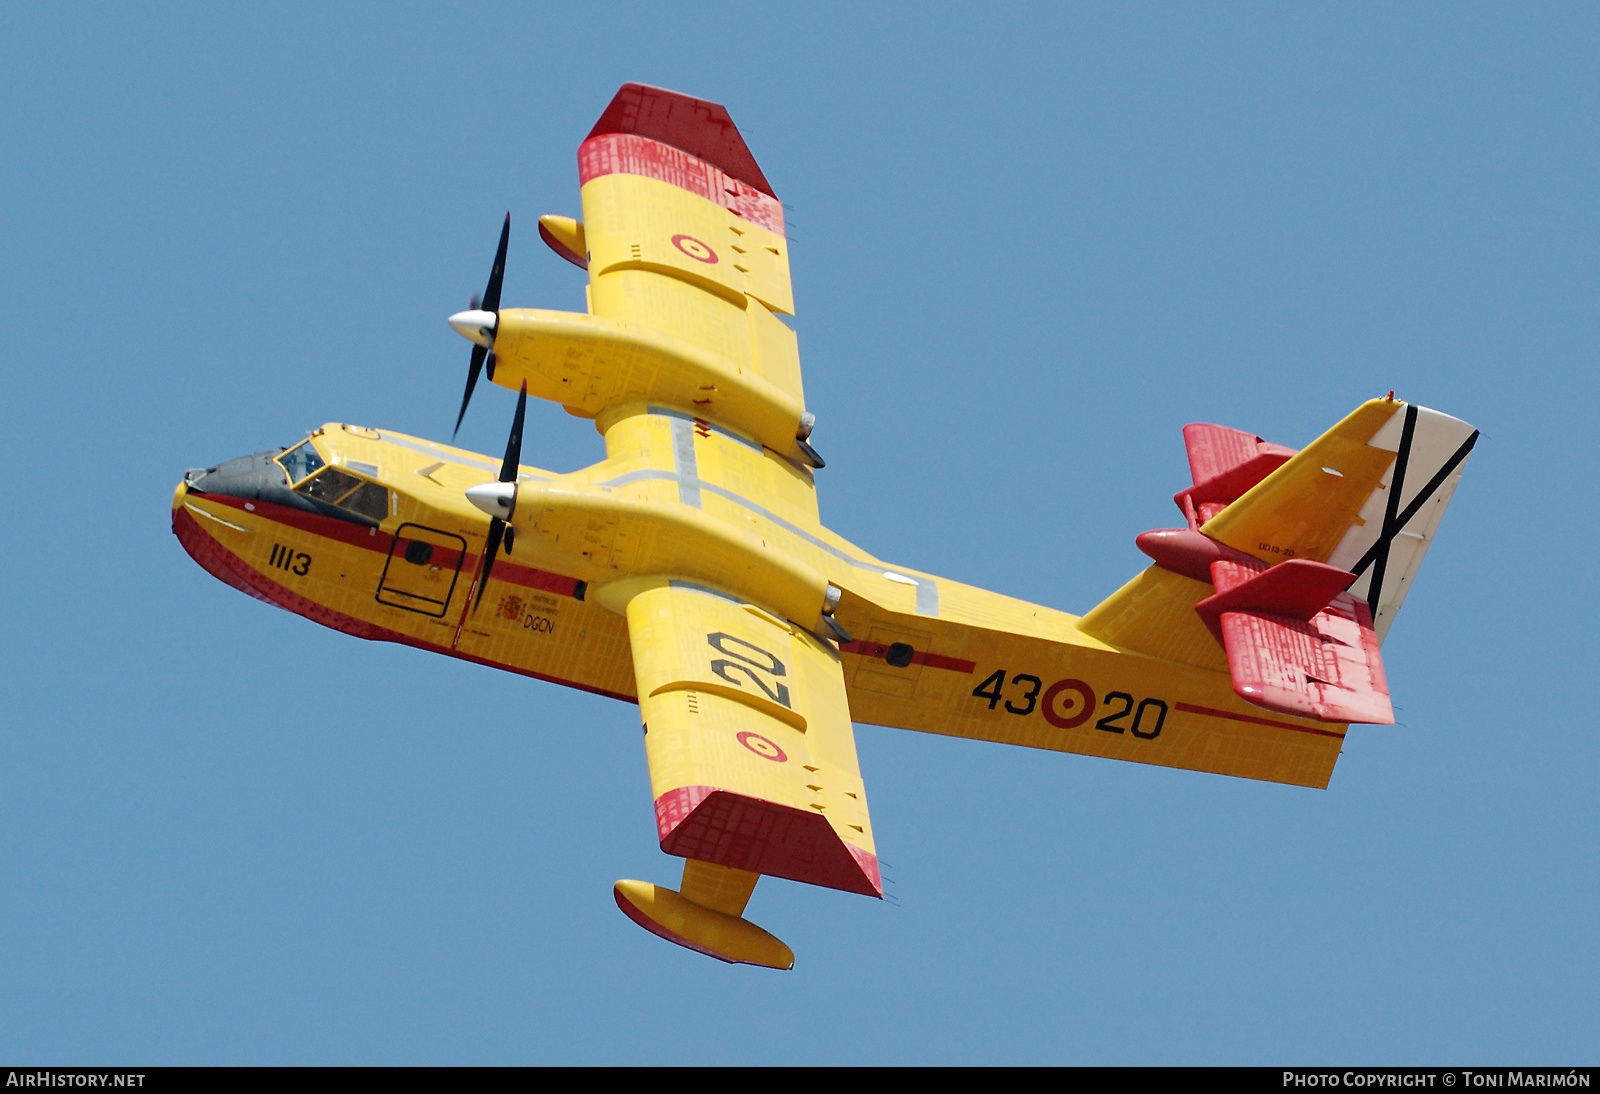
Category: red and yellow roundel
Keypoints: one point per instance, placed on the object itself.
(1068, 704)
(761, 746)
(696, 250)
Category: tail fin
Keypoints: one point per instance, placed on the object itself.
(1355, 511)
(1367, 496)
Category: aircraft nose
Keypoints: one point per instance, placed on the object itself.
(256, 477)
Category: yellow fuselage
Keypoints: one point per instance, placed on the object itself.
(677, 497)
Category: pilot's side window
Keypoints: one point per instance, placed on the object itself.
(329, 486)
(369, 499)
(347, 492)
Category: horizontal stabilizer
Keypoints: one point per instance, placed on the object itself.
(1309, 555)
(1224, 464)
(1299, 588)
(1297, 643)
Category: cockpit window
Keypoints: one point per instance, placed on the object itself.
(347, 492)
(369, 499)
(301, 461)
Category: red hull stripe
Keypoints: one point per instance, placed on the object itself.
(230, 569)
(374, 539)
(918, 657)
(745, 833)
(1190, 708)
(625, 154)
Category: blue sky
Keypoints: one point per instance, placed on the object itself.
(1028, 246)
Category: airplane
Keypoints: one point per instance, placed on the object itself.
(690, 573)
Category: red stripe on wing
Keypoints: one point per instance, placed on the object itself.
(622, 154)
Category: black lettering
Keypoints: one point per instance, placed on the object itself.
(771, 665)
(284, 558)
(1033, 693)
(990, 688)
(1161, 717)
(722, 668)
(1109, 722)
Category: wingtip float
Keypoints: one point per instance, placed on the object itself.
(689, 571)
(670, 915)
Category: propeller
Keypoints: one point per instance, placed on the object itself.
(499, 498)
(478, 323)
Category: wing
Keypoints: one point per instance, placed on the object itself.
(747, 731)
(688, 271)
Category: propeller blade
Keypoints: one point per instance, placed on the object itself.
(497, 529)
(508, 469)
(491, 295)
(490, 303)
(473, 368)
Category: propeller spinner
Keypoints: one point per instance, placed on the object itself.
(499, 498)
(478, 324)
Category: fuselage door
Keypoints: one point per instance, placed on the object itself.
(421, 572)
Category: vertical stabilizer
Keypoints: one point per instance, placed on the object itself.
(1399, 519)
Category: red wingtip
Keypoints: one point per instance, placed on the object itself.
(691, 125)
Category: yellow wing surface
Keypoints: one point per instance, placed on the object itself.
(752, 766)
(688, 272)
(747, 732)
